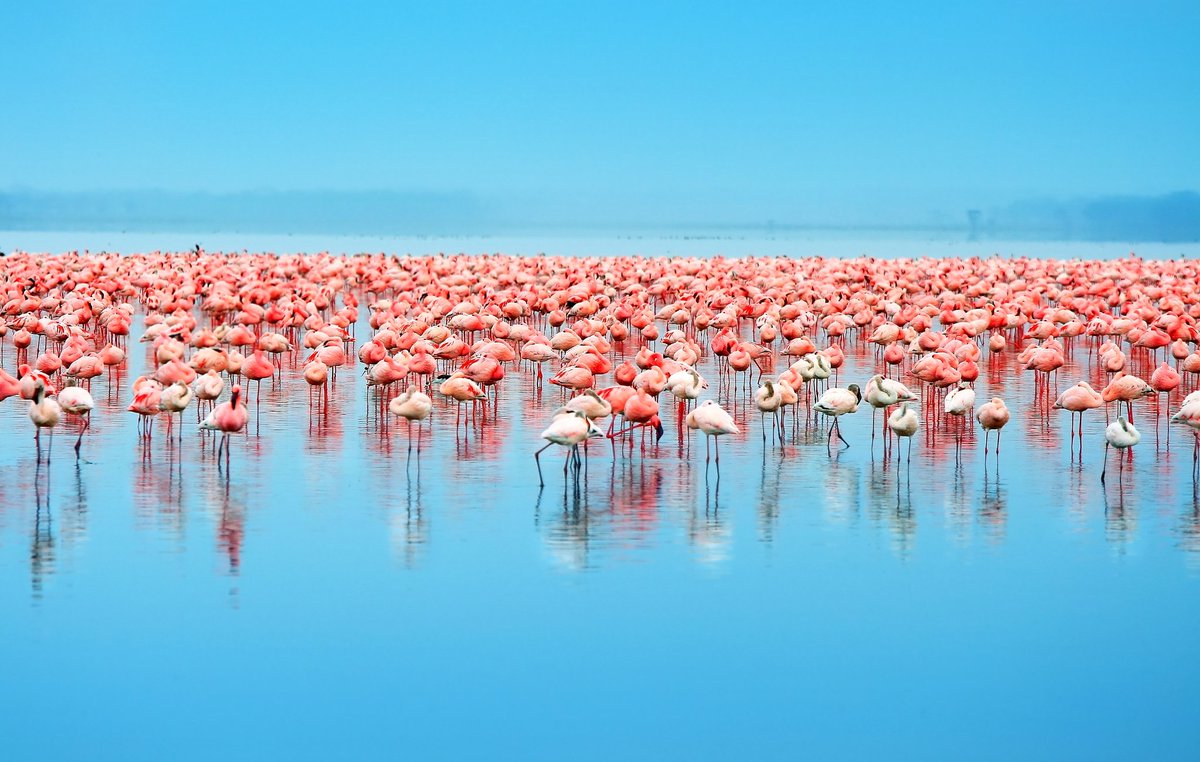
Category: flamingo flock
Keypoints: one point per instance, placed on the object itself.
(629, 344)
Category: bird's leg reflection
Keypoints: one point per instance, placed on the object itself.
(1117, 521)
(709, 535)
(768, 504)
(409, 536)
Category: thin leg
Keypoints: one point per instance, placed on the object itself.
(86, 422)
(538, 461)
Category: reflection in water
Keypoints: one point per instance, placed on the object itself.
(1076, 497)
(708, 533)
(1120, 515)
(409, 532)
(231, 531)
(75, 512)
(958, 507)
(158, 493)
(41, 552)
(889, 490)
(993, 508)
(568, 533)
(337, 452)
(769, 503)
(840, 491)
(55, 529)
(1189, 526)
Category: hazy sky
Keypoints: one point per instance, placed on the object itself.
(750, 109)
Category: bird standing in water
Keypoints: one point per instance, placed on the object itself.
(992, 416)
(77, 401)
(569, 429)
(960, 401)
(1189, 415)
(173, 401)
(835, 403)
(228, 418)
(412, 405)
(44, 412)
(1076, 400)
(903, 422)
(882, 393)
(714, 421)
(1122, 435)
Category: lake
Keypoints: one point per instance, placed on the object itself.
(333, 597)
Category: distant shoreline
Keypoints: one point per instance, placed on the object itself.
(885, 244)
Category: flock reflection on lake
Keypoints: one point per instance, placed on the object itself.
(306, 462)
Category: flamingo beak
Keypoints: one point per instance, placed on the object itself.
(659, 428)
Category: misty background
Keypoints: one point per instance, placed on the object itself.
(1075, 121)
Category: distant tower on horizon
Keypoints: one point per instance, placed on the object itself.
(973, 219)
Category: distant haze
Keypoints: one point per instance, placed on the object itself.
(1170, 218)
(1064, 119)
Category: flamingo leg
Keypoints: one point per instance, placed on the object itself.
(86, 423)
(537, 460)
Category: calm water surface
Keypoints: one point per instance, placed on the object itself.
(331, 599)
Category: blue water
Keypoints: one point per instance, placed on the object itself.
(328, 598)
(682, 242)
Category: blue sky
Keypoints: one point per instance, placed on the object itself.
(739, 110)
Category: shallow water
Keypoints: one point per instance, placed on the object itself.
(886, 244)
(329, 598)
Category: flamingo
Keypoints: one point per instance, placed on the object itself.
(1189, 415)
(882, 393)
(228, 418)
(568, 430)
(77, 401)
(147, 393)
(44, 411)
(1078, 399)
(713, 421)
(992, 416)
(903, 423)
(835, 403)
(412, 405)
(768, 398)
(174, 400)
(1120, 434)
